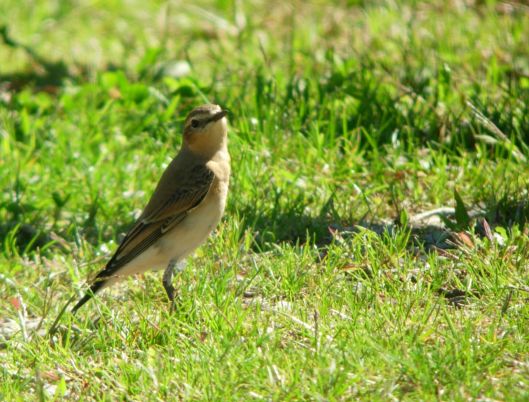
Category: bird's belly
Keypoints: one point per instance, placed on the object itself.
(191, 232)
(183, 239)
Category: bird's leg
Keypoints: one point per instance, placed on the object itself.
(168, 280)
(168, 275)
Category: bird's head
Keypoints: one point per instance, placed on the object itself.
(205, 128)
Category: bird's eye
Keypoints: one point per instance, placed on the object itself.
(195, 123)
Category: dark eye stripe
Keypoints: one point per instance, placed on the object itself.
(201, 121)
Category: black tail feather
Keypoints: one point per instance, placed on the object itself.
(96, 286)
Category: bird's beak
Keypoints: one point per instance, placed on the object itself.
(218, 115)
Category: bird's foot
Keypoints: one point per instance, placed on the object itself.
(172, 306)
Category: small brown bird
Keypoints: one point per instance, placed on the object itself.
(185, 207)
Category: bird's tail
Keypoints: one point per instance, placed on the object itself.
(94, 288)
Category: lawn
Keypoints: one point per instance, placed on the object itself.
(375, 244)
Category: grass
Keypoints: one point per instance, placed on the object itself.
(349, 119)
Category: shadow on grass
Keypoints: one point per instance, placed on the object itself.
(23, 238)
(508, 210)
(45, 74)
(294, 226)
(289, 223)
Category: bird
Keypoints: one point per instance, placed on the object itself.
(185, 207)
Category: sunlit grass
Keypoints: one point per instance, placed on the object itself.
(349, 119)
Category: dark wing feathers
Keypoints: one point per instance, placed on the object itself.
(184, 197)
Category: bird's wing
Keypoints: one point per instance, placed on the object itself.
(174, 197)
(177, 193)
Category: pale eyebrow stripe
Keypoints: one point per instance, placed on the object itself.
(197, 111)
